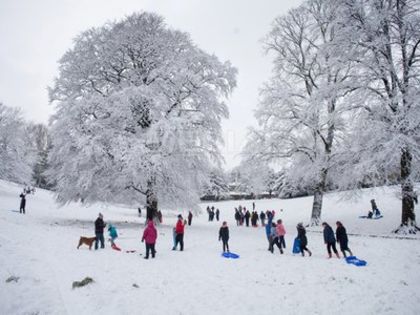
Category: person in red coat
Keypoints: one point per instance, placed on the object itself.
(179, 233)
(150, 236)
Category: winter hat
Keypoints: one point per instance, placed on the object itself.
(179, 216)
(100, 215)
(300, 224)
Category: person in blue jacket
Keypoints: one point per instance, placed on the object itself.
(268, 230)
(112, 234)
(329, 240)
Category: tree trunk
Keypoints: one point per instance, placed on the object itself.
(408, 216)
(318, 196)
(151, 202)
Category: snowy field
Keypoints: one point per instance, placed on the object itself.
(40, 249)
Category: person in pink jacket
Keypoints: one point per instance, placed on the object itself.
(281, 232)
(150, 236)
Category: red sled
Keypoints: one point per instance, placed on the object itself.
(113, 246)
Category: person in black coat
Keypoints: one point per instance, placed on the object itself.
(247, 216)
(303, 240)
(224, 236)
(342, 239)
(329, 239)
(190, 216)
(237, 217)
(22, 203)
(99, 231)
(262, 218)
(217, 214)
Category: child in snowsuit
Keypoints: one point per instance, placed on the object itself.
(150, 236)
(274, 239)
(303, 240)
(112, 234)
(329, 239)
(342, 239)
(179, 233)
(224, 236)
(281, 232)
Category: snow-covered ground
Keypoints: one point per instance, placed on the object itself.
(40, 249)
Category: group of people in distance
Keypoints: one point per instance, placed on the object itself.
(212, 213)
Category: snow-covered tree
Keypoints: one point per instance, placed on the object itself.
(42, 144)
(383, 38)
(217, 185)
(15, 161)
(303, 110)
(138, 115)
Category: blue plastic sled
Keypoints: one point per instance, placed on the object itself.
(356, 261)
(230, 255)
(296, 246)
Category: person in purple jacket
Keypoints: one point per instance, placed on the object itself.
(150, 236)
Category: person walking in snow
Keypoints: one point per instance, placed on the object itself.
(342, 239)
(150, 236)
(224, 236)
(179, 233)
(22, 203)
(217, 215)
(281, 232)
(99, 231)
(190, 216)
(329, 239)
(112, 234)
(268, 230)
(274, 240)
(303, 239)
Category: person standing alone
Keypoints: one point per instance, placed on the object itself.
(150, 236)
(224, 236)
(22, 203)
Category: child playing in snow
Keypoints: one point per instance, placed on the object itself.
(112, 234)
(342, 239)
(329, 239)
(224, 236)
(150, 236)
(281, 232)
(303, 239)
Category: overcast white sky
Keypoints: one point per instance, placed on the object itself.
(34, 34)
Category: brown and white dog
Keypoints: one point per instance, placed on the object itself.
(87, 241)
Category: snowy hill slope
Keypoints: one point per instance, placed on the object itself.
(40, 249)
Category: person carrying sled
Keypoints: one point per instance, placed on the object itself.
(342, 239)
(22, 203)
(99, 231)
(112, 234)
(329, 239)
(303, 239)
(224, 236)
(150, 236)
(179, 233)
